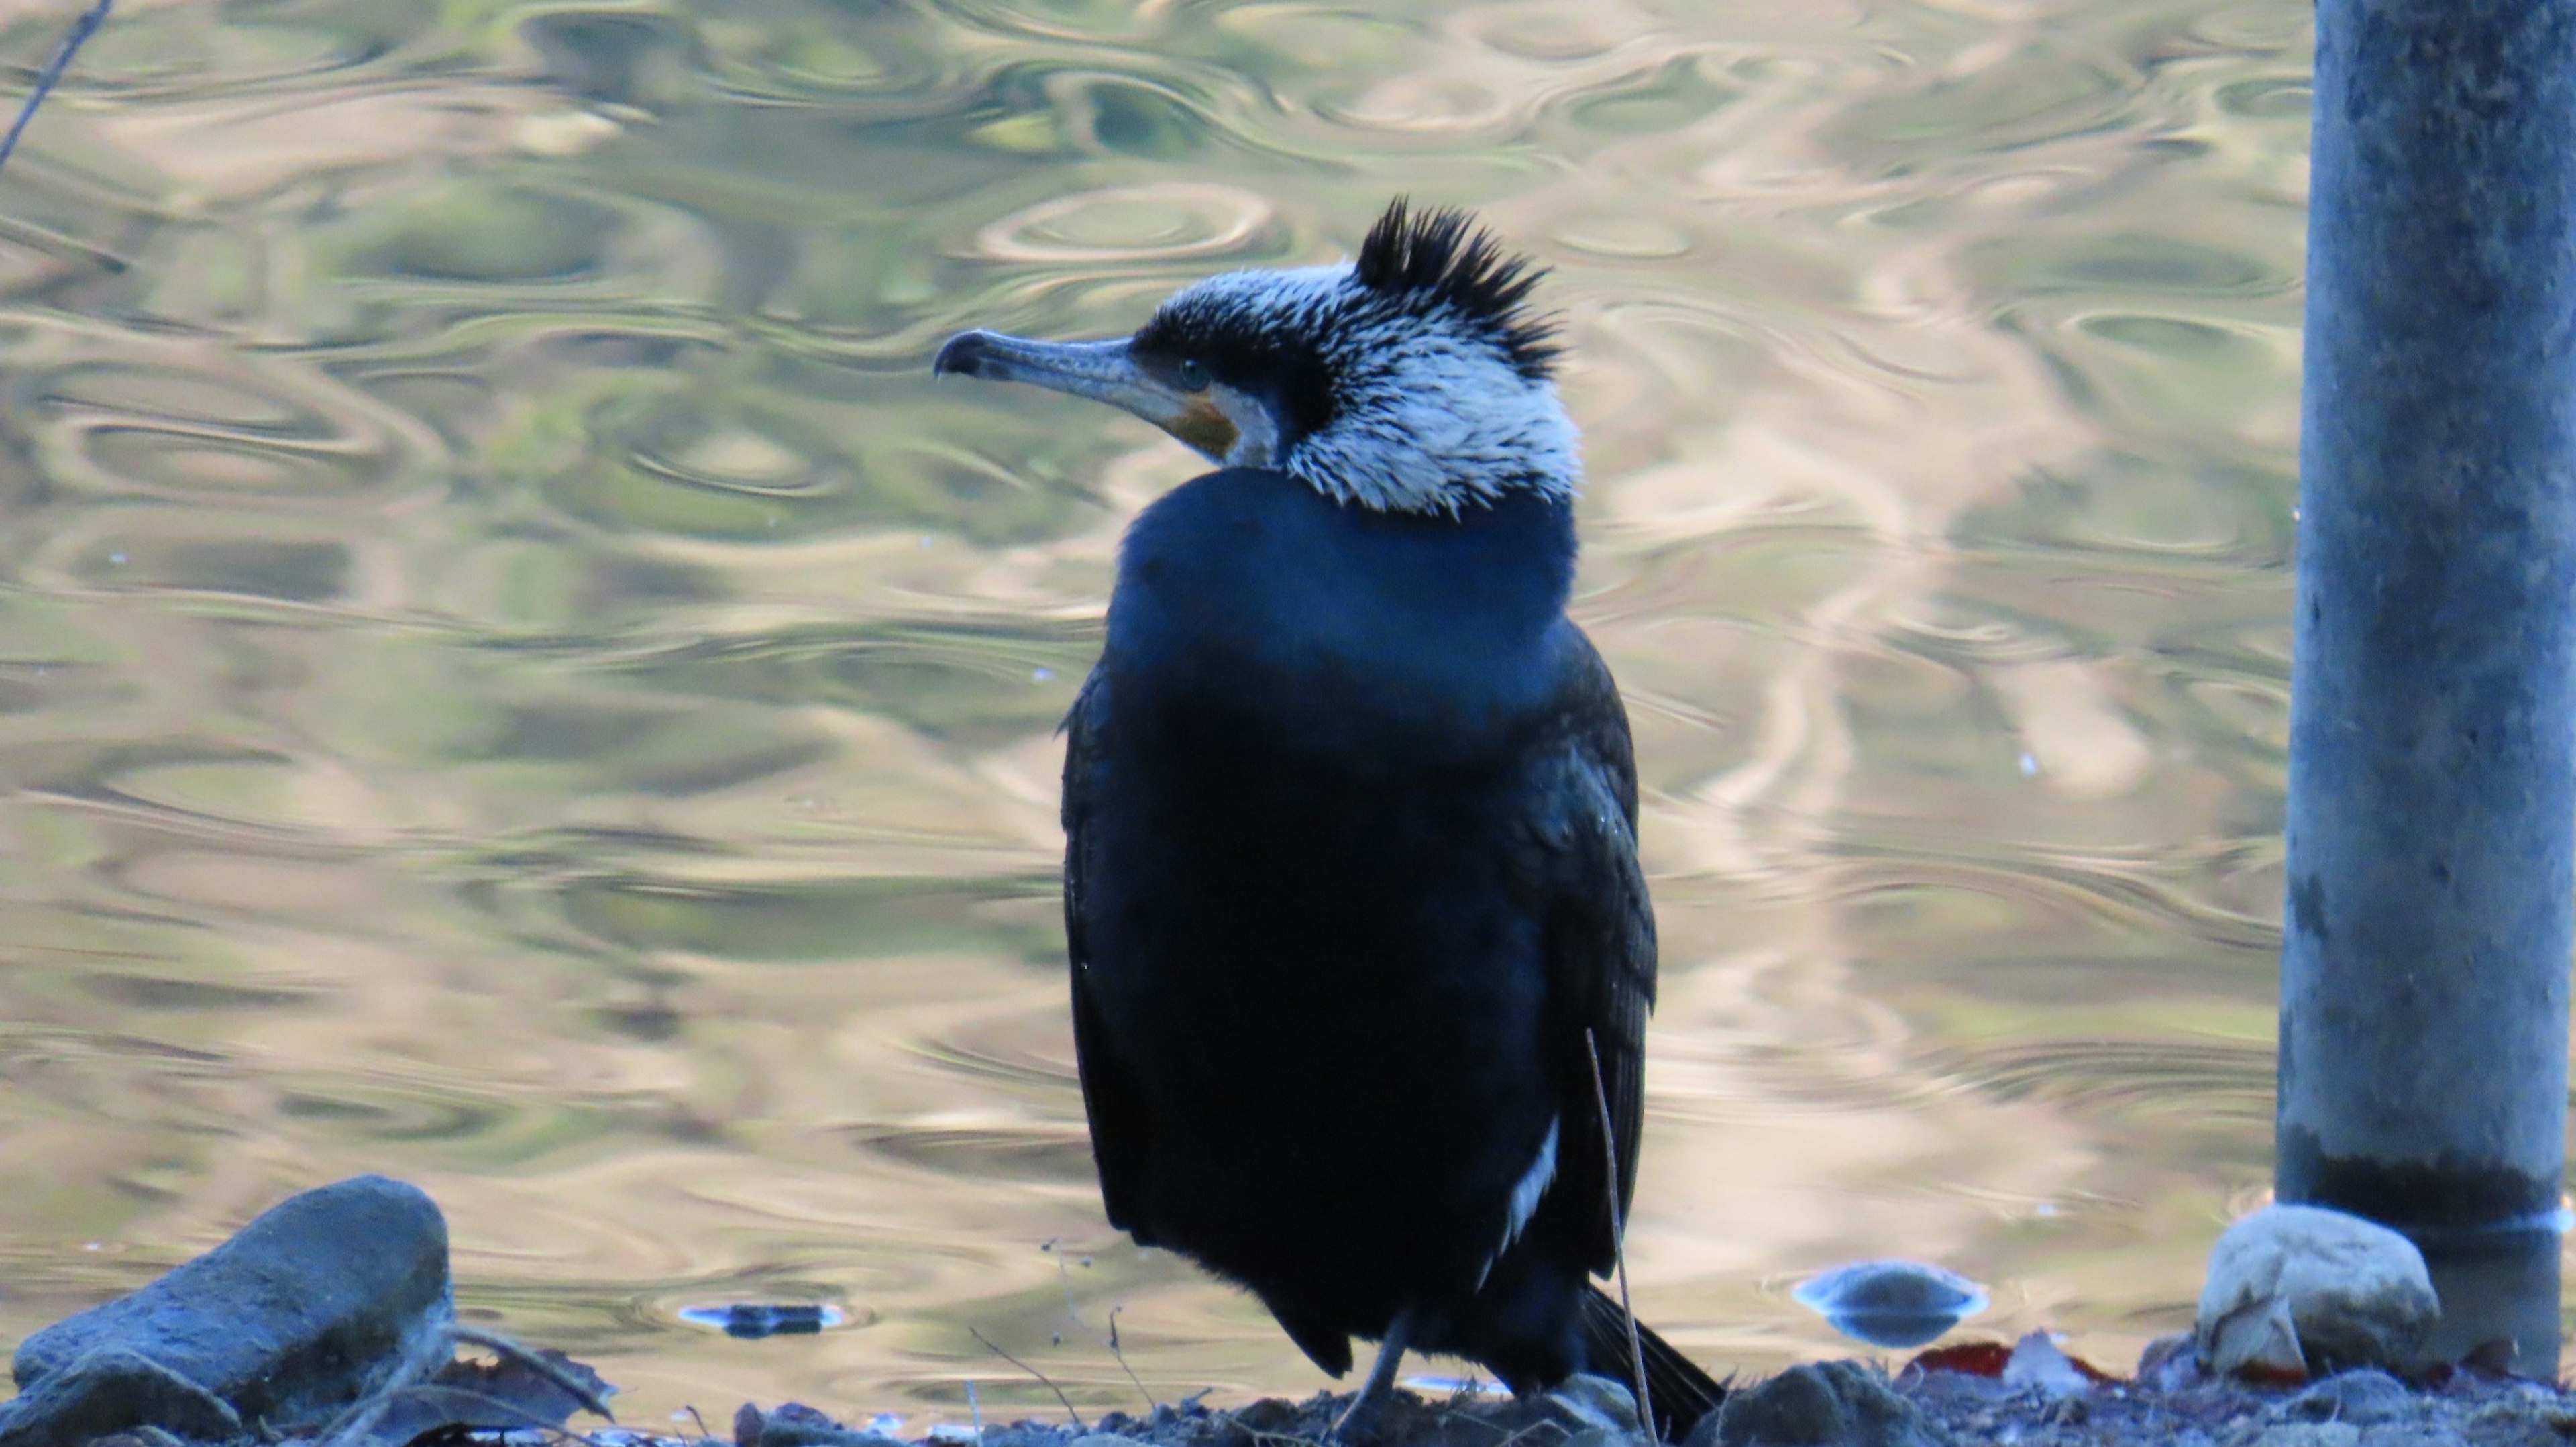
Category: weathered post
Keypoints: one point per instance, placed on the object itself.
(2432, 805)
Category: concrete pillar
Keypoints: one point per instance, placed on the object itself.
(2432, 808)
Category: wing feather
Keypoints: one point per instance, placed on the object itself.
(1110, 1095)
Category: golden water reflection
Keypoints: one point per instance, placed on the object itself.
(513, 675)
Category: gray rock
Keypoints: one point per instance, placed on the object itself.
(1588, 1403)
(2298, 1289)
(794, 1424)
(319, 1301)
(1826, 1404)
(2360, 1397)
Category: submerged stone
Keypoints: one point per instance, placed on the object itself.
(751, 1321)
(1892, 1304)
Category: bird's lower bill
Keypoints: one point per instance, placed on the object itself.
(1102, 371)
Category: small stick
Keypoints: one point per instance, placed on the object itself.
(571, 1385)
(974, 1409)
(701, 1421)
(1042, 1377)
(1150, 1404)
(82, 29)
(1619, 1241)
(1064, 1278)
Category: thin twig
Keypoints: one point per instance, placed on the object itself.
(703, 1432)
(1150, 1404)
(1064, 1278)
(552, 1372)
(1619, 1242)
(82, 29)
(1043, 1379)
(1269, 1439)
(360, 1419)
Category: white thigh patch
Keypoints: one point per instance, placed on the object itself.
(1525, 1196)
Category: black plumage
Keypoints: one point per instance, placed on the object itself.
(1351, 882)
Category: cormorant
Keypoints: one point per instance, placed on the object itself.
(1351, 880)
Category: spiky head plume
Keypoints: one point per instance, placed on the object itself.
(1442, 259)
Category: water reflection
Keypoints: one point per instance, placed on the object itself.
(512, 674)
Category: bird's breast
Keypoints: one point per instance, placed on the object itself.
(1247, 602)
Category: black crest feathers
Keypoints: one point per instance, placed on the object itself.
(1442, 258)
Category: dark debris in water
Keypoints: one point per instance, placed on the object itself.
(751, 1321)
(1893, 1304)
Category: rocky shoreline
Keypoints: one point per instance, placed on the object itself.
(329, 1320)
(1847, 1404)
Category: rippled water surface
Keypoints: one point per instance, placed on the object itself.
(512, 674)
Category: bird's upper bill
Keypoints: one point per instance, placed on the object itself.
(1102, 371)
(1412, 379)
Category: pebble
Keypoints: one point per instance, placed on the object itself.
(2040, 1365)
(2360, 1397)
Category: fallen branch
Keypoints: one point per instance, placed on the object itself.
(1121, 1357)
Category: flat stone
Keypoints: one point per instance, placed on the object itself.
(1825, 1404)
(317, 1302)
(2301, 1290)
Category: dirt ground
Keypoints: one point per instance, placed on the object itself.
(1918, 1409)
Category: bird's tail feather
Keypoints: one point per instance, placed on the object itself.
(1683, 1393)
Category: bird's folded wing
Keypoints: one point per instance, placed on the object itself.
(1109, 1092)
(1580, 863)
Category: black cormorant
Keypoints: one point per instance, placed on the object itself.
(1350, 813)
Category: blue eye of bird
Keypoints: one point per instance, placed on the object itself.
(1194, 375)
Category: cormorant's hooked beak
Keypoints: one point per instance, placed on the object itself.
(1103, 371)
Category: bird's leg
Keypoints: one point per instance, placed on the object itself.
(1359, 1421)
